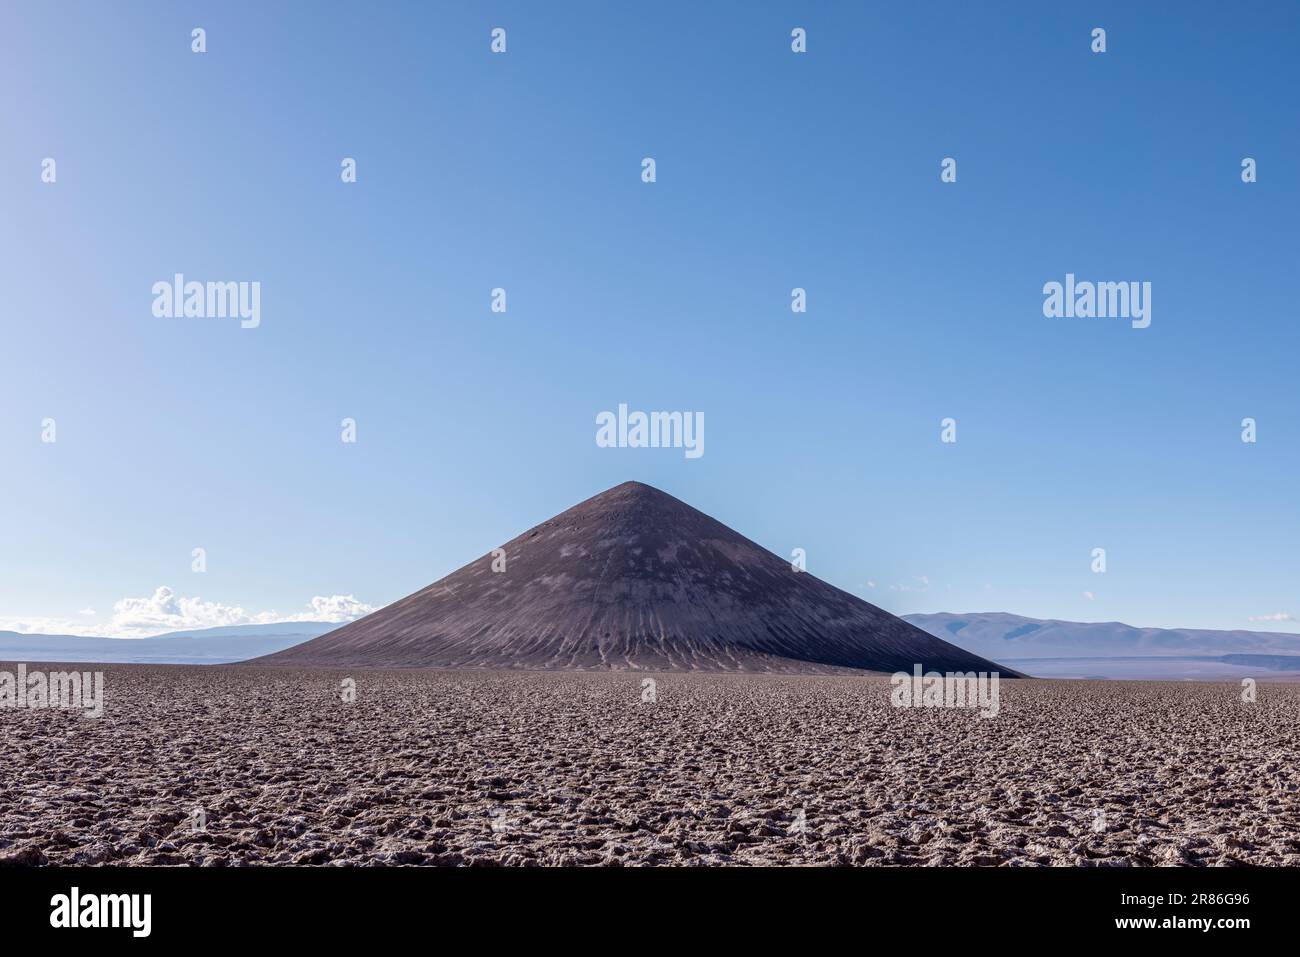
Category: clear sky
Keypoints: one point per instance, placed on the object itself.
(774, 170)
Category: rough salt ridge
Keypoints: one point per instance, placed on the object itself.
(458, 768)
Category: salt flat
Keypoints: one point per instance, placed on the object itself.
(436, 767)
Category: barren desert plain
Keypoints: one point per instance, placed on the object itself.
(533, 768)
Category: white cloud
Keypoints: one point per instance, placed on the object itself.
(37, 625)
(1280, 616)
(333, 608)
(88, 612)
(165, 611)
(923, 586)
(1090, 596)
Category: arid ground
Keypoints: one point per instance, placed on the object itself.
(454, 768)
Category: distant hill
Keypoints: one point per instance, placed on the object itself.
(1014, 636)
(632, 579)
(204, 646)
(1112, 649)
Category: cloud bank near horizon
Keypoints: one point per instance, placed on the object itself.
(165, 611)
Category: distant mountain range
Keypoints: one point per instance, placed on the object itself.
(206, 646)
(1111, 649)
(1041, 647)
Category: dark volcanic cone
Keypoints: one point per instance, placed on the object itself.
(632, 579)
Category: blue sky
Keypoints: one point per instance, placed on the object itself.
(774, 170)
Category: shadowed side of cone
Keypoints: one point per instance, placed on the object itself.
(632, 579)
